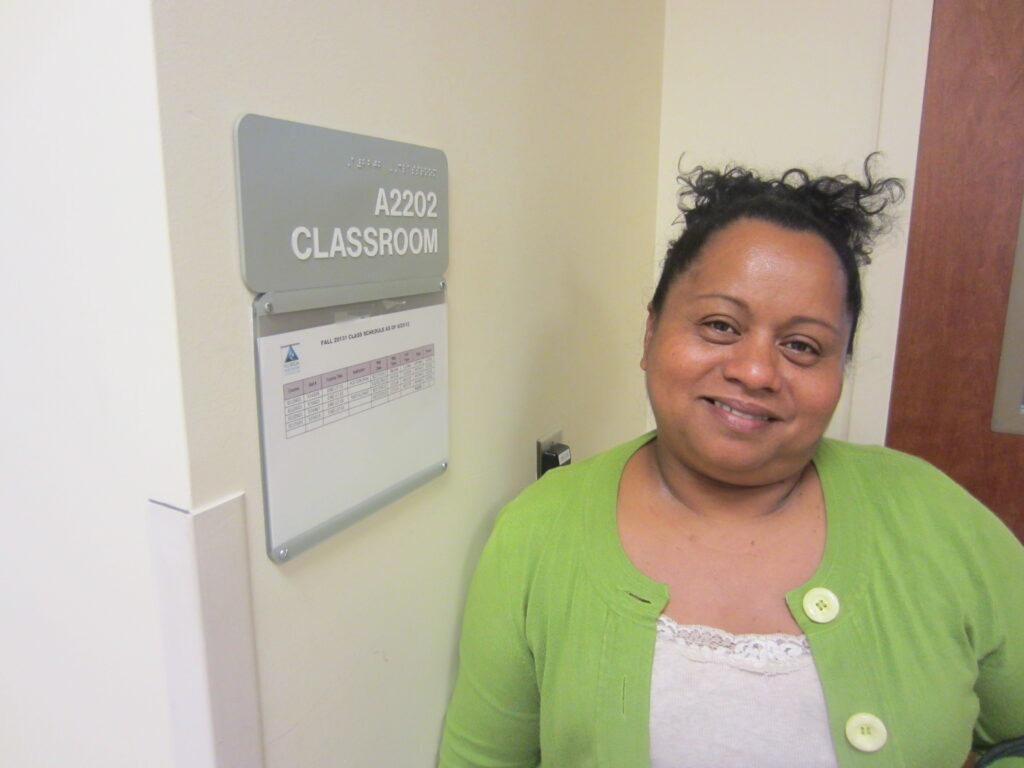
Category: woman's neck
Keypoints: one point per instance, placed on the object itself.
(692, 493)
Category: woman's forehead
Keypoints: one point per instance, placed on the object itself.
(757, 261)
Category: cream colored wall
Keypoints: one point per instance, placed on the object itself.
(550, 118)
(93, 422)
(812, 84)
(548, 113)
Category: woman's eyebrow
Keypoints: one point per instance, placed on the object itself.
(733, 299)
(791, 321)
(816, 320)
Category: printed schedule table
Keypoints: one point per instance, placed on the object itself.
(316, 401)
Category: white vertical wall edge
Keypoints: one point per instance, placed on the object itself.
(201, 561)
(899, 129)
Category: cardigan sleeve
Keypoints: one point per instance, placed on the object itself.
(493, 717)
(999, 635)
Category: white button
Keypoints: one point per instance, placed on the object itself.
(866, 732)
(821, 605)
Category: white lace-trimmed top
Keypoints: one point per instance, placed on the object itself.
(733, 701)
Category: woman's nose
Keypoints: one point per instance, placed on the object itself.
(754, 364)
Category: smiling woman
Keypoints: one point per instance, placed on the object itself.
(734, 589)
(744, 360)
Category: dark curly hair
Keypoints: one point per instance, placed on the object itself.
(846, 213)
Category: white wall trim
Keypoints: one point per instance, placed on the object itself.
(201, 562)
(899, 128)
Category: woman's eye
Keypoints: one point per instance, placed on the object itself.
(719, 325)
(802, 347)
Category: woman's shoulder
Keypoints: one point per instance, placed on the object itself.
(884, 469)
(874, 457)
(555, 506)
(909, 491)
(564, 489)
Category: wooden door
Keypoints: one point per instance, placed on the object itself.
(966, 210)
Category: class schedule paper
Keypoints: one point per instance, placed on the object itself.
(349, 410)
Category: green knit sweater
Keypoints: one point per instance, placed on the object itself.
(559, 630)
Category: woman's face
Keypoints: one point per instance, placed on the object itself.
(745, 360)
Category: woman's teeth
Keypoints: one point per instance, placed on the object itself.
(741, 414)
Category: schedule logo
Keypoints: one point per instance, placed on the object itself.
(291, 359)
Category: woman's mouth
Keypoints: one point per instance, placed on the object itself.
(743, 410)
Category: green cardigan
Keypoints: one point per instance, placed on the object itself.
(558, 635)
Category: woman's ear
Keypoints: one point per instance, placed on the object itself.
(652, 321)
